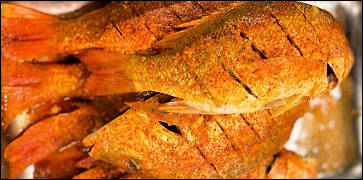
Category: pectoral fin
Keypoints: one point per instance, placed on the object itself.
(288, 104)
(152, 110)
(195, 22)
(180, 37)
(171, 40)
(181, 107)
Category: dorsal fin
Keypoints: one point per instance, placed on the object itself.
(180, 37)
(171, 40)
(198, 21)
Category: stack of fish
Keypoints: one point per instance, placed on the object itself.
(165, 89)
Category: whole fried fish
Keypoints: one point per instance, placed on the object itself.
(167, 145)
(239, 60)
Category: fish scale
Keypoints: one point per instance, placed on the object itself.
(171, 78)
(216, 148)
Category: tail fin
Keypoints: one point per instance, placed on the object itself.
(25, 85)
(106, 83)
(109, 72)
(49, 135)
(27, 34)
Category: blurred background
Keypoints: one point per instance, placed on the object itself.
(334, 135)
(331, 131)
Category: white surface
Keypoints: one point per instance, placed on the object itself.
(53, 7)
(27, 173)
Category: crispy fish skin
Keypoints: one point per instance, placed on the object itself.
(335, 45)
(293, 165)
(125, 27)
(283, 165)
(208, 146)
(49, 135)
(35, 83)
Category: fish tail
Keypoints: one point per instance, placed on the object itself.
(25, 85)
(28, 35)
(105, 83)
(110, 74)
(38, 141)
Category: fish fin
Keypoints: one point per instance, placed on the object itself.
(182, 107)
(91, 139)
(171, 40)
(203, 19)
(109, 72)
(289, 103)
(39, 140)
(104, 83)
(27, 34)
(100, 59)
(25, 85)
(194, 22)
(180, 37)
(151, 109)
